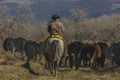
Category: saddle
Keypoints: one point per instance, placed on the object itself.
(56, 36)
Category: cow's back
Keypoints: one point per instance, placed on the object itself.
(33, 49)
(16, 44)
(115, 48)
(19, 44)
(75, 47)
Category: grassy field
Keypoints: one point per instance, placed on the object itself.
(14, 71)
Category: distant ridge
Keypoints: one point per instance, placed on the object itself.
(43, 9)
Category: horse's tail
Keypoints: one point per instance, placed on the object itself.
(56, 50)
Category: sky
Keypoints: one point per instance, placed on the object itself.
(28, 1)
(17, 1)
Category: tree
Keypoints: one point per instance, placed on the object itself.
(25, 14)
(3, 14)
(78, 17)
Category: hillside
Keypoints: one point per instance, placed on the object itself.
(43, 9)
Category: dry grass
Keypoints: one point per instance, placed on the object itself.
(17, 72)
(12, 70)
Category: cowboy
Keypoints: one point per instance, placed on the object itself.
(55, 29)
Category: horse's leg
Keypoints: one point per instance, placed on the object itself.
(51, 67)
(61, 61)
(54, 68)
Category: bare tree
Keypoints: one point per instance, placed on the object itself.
(24, 13)
(3, 14)
(78, 17)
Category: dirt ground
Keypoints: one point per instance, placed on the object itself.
(14, 71)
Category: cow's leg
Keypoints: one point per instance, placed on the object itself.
(79, 61)
(97, 62)
(102, 61)
(47, 61)
(92, 60)
(22, 55)
(112, 60)
(13, 53)
(29, 67)
(71, 60)
(76, 61)
(27, 64)
(117, 60)
(85, 62)
(66, 58)
(88, 62)
(91, 63)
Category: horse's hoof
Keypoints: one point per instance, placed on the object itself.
(55, 75)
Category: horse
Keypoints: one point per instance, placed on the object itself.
(54, 52)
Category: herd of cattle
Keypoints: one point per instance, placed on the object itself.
(95, 54)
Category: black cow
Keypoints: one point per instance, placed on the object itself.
(104, 54)
(8, 44)
(14, 44)
(115, 50)
(86, 54)
(32, 50)
(95, 54)
(74, 49)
